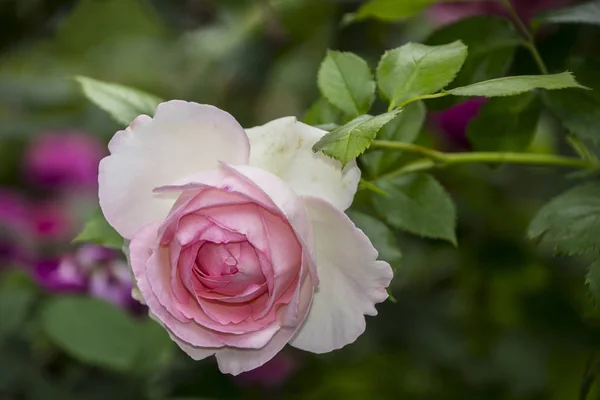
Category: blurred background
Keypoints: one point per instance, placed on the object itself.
(494, 318)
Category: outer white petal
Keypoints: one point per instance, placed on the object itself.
(284, 148)
(351, 281)
(183, 138)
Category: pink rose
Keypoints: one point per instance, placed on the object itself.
(238, 239)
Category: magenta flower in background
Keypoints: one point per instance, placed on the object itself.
(64, 159)
(51, 220)
(91, 269)
(452, 123)
(445, 13)
(272, 374)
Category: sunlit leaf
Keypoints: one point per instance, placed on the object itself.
(416, 69)
(512, 85)
(347, 142)
(345, 80)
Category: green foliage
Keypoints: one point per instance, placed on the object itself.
(381, 236)
(593, 281)
(97, 230)
(156, 347)
(416, 69)
(92, 331)
(577, 110)
(321, 113)
(15, 303)
(584, 13)
(124, 104)
(388, 10)
(405, 127)
(347, 142)
(345, 80)
(513, 85)
(570, 223)
(492, 42)
(505, 123)
(418, 204)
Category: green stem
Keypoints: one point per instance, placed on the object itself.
(530, 44)
(434, 159)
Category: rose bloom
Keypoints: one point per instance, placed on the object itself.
(237, 239)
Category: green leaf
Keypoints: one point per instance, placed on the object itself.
(416, 69)
(405, 127)
(389, 10)
(156, 347)
(418, 204)
(97, 230)
(381, 236)
(347, 142)
(92, 330)
(570, 223)
(492, 42)
(14, 306)
(505, 124)
(513, 85)
(321, 113)
(584, 13)
(577, 110)
(593, 281)
(345, 80)
(123, 103)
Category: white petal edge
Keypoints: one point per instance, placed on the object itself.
(284, 148)
(351, 281)
(183, 138)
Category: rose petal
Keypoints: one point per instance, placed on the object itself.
(351, 281)
(284, 148)
(235, 361)
(140, 250)
(182, 139)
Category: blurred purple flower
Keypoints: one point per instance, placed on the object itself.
(452, 122)
(445, 13)
(50, 220)
(64, 159)
(60, 276)
(91, 269)
(272, 374)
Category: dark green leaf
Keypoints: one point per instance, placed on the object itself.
(578, 110)
(123, 103)
(381, 236)
(389, 10)
(345, 80)
(593, 281)
(415, 69)
(505, 124)
(570, 223)
(92, 330)
(98, 231)
(321, 113)
(418, 204)
(14, 306)
(584, 13)
(513, 85)
(155, 346)
(351, 140)
(492, 42)
(405, 127)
